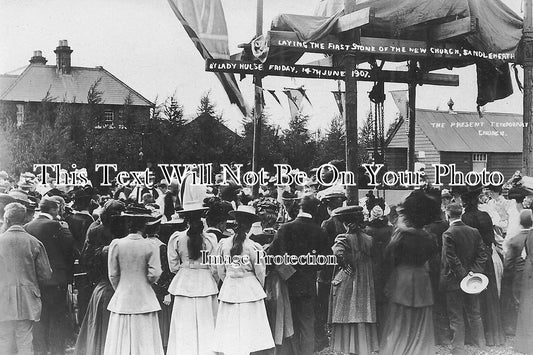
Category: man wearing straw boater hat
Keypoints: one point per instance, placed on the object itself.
(133, 266)
(463, 252)
(302, 237)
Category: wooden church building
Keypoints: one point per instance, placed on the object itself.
(493, 141)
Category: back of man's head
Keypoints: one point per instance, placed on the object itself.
(309, 204)
(14, 214)
(526, 218)
(454, 210)
(48, 205)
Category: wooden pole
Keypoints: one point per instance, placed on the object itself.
(258, 109)
(412, 118)
(527, 151)
(350, 113)
(350, 122)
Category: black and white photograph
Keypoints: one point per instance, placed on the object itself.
(267, 177)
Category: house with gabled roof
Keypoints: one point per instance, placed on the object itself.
(471, 141)
(64, 83)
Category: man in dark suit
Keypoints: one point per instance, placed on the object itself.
(302, 237)
(463, 252)
(51, 332)
(78, 223)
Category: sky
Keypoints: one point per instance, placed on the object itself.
(142, 43)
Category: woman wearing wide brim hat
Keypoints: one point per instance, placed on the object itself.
(354, 328)
(194, 287)
(242, 325)
(409, 286)
(133, 267)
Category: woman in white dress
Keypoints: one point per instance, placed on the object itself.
(242, 324)
(133, 265)
(194, 287)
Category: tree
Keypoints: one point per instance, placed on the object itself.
(173, 111)
(332, 146)
(366, 133)
(299, 150)
(271, 143)
(207, 106)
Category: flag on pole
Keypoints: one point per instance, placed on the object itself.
(340, 99)
(401, 99)
(295, 97)
(273, 93)
(205, 23)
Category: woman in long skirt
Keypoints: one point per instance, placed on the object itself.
(194, 287)
(93, 331)
(408, 328)
(242, 324)
(134, 265)
(352, 310)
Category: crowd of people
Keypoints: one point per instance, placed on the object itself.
(184, 269)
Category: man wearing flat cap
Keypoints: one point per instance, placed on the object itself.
(51, 331)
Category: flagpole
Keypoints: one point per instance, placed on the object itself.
(258, 110)
(527, 153)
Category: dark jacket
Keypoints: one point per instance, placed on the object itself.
(409, 283)
(78, 224)
(301, 237)
(463, 251)
(59, 246)
(332, 227)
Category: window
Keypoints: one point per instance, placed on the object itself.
(20, 115)
(479, 161)
(109, 118)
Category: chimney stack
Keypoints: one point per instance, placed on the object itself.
(63, 52)
(38, 58)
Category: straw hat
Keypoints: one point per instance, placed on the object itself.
(474, 283)
(22, 197)
(245, 212)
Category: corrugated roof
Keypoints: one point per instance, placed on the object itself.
(467, 132)
(6, 81)
(37, 79)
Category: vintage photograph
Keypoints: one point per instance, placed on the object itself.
(270, 177)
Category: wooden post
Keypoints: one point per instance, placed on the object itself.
(258, 109)
(350, 114)
(527, 151)
(412, 117)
